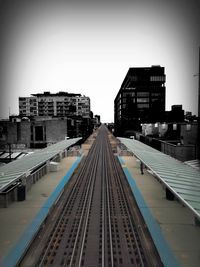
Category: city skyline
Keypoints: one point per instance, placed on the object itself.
(87, 47)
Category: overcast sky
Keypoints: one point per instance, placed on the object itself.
(87, 47)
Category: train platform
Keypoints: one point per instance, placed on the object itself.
(172, 225)
(21, 220)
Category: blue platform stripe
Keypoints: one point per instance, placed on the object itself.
(16, 252)
(121, 160)
(161, 244)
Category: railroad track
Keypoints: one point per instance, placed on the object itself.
(95, 225)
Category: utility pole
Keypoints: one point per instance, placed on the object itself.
(198, 145)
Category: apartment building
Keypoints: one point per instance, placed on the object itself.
(61, 104)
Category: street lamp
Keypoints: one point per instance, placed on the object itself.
(198, 144)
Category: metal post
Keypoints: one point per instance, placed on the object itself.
(198, 144)
(9, 151)
(198, 118)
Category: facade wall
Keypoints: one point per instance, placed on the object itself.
(180, 152)
(28, 134)
(9, 133)
(83, 106)
(24, 133)
(56, 130)
(28, 106)
(12, 132)
(189, 132)
(16, 133)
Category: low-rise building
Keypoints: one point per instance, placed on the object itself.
(37, 133)
(41, 131)
(178, 140)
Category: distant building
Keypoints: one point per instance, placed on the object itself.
(141, 99)
(28, 106)
(41, 131)
(56, 105)
(176, 114)
(37, 133)
(178, 140)
(97, 121)
(190, 117)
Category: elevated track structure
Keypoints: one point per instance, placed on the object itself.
(96, 221)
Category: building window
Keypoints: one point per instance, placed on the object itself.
(143, 105)
(134, 78)
(174, 126)
(143, 100)
(157, 78)
(188, 127)
(142, 94)
(155, 100)
(156, 94)
(126, 94)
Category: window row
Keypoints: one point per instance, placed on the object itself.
(142, 94)
(157, 78)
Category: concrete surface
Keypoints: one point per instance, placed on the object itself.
(15, 219)
(175, 220)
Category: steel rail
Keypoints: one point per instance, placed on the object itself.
(108, 206)
(103, 203)
(88, 209)
(85, 207)
(95, 227)
(109, 214)
(123, 195)
(66, 206)
(113, 213)
(73, 191)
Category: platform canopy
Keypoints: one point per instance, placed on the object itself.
(11, 172)
(180, 178)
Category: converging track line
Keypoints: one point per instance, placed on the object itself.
(95, 225)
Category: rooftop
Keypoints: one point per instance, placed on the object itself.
(55, 94)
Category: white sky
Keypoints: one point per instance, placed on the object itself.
(87, 47)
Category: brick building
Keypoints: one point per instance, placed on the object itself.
(36, 133)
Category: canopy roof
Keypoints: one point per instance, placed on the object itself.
(181, 179)
(12, 171)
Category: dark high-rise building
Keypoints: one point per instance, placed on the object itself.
(141, 99)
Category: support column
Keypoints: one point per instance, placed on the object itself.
(169, 194)
(197, 221)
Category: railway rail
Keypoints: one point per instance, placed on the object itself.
(95, 223)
